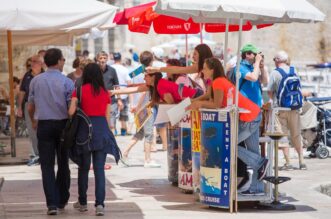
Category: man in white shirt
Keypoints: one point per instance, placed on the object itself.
(123, 79)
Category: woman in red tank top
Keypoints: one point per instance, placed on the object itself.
(95, 102)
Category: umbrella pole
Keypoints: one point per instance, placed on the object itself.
(186, 49)
(235, 149)
(225, 53)
(201, 38)
(11, 94)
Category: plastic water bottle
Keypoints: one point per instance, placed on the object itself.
(229, 99)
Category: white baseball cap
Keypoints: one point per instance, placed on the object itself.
(158, 52)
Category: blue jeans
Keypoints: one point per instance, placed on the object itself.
(249, 132)
(56, 188)
(99, 159)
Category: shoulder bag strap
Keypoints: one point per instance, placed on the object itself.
(79, 95)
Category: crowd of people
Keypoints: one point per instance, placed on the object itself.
(47, 99)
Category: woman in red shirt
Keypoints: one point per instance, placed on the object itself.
(248, 122)
(162, 90)
(95, 102)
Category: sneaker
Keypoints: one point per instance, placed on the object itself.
(34, 161)
(250, 193)
(80, 207)
(125, 161)
(123, 132)
(61, 208)
(248, 183)
(303, 166)
(158, 140)
(263, 169)
(286, 167)
(52, 211)
(152, 164)
(2, 180)
(99, 210)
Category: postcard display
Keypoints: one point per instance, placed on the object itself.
(172, 150)
(217, 158)
(185, 180)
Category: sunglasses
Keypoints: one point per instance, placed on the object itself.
(250, 53)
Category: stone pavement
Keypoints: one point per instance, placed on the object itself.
(136, 192)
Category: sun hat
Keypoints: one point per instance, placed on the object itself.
(250, 48)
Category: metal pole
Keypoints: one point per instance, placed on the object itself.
(238, 58)
(201, 28)
(226, 43)
(276, 170)
(11, 94)
(237, 110)
(186, 49)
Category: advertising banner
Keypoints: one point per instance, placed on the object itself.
(185, 180)
(215, 158)
(195, 138)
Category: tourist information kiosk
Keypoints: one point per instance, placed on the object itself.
(218, 181)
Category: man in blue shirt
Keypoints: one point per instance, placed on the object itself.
(49, 98)
(252, 74)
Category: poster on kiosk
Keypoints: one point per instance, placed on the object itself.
(185, 179)
(215, 158)
(196, 147)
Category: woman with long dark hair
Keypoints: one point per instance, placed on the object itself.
(201, 52)
(95, 103)
(248, 122)
(161, 90)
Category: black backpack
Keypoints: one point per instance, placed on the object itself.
(68, 137)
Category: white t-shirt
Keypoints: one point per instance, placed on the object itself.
(123, 76)
(136, 96)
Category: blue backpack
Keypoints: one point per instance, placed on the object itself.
(289, 92)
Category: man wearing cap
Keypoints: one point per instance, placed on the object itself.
(286, 120)
(123, 80)
(158, 54)
(252, 74)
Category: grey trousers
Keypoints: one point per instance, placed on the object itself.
(32, 133)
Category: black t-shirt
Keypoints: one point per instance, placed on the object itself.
(110, 79)
(25, 84)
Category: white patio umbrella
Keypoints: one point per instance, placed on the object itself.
(232, 11)
(192, 41)
(40, 18)
(40, 38)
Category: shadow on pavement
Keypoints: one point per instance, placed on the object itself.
(160, 189)
(24, 191)
(25, 198)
